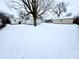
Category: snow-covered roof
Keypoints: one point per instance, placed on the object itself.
(65, 18)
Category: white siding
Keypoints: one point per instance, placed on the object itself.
(63, 21)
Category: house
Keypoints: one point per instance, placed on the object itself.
(30, 21)
(15, 21)
(63, 21)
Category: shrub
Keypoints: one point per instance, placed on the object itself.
(49, 21)
(76, 20)
(4, 20)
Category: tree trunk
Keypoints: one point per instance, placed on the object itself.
(58, 15)
(34, 18)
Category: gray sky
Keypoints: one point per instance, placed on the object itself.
(3, 6)
(73, 6)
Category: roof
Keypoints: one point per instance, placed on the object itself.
(65, 18)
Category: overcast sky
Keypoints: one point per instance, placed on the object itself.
(73, 6)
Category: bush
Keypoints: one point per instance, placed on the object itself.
(49, 21)
(2, 26)
(4, 20)
(76, 20)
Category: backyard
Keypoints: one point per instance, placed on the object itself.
(46, 41)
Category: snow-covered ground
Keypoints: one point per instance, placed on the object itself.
(46, 41)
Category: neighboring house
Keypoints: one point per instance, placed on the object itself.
(63, 21)
(17, 21)
(22, 21)
(31, 21)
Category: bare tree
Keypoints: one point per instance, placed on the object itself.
(34, 7)
(59, 8)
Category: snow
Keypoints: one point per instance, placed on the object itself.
(46, 41)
